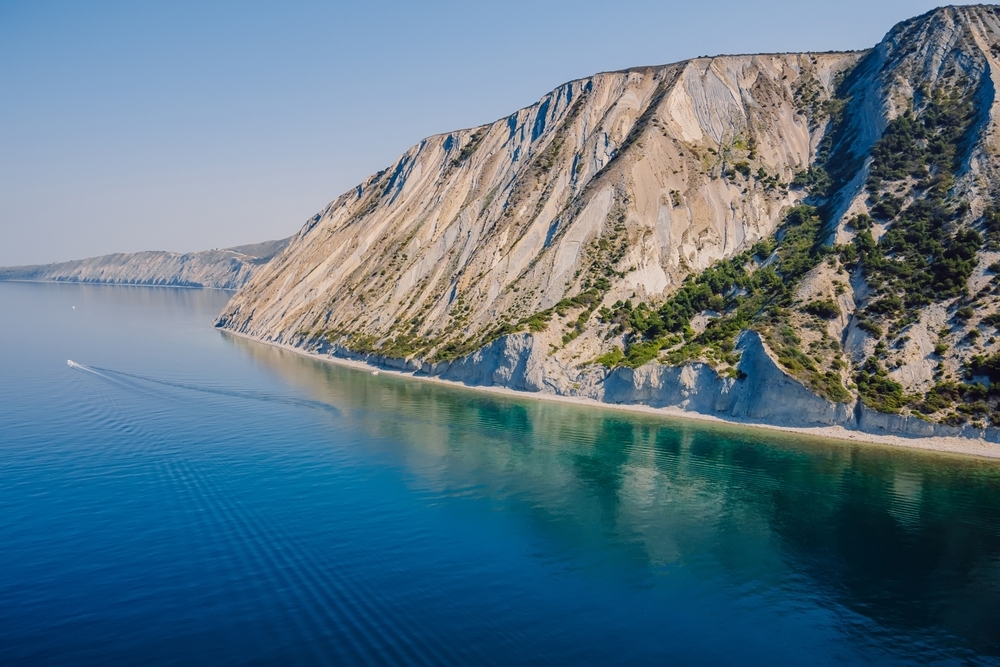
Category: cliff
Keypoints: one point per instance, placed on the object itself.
(633, 178)
(228, 268)
(802, 239)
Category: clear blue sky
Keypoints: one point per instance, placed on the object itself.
(190, 125)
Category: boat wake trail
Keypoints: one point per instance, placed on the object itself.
(81, 367)
(119, 376)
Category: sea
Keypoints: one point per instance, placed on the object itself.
(180, 496)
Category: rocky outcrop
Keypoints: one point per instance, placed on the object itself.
(228, 268)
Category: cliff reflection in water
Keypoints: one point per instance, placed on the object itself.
(907, 540)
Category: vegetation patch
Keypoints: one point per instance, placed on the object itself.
(925, 256)
(877, 390)
(747, 295)
(826, 309)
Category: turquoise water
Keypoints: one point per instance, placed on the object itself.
(192, 498)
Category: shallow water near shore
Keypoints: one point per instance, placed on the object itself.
(187, 497)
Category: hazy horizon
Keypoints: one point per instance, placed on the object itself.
(184, 127)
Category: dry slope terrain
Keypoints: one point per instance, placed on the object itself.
(794, 238)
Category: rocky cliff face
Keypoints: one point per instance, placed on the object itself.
(910, 209)
(228, 268)
(733, 235)
(634, 178)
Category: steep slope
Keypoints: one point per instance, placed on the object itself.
(625, 182)
(884, 286)
(799, 239)
(228, 268)
(914, 184)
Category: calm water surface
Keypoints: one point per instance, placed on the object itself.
(191, 498)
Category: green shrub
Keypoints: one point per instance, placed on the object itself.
(868, 326)
(539, 321)
(826, 309)
(976, 409)
(991, 224)
(887, 207)
(941, 396)
(877, 390)
(612, 358)
(986, 365)
(886, 305)
(860, 222)
(642, 353)
(814, 180)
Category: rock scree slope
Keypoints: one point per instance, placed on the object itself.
(794, 239)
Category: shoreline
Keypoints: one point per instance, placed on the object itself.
(106, 284)
(956, 446)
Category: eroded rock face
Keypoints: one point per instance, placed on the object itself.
(622, 185)
(950, 50)
(228, 268)
(646, 171)
(764, 393)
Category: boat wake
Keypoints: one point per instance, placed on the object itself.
(121, 377)
(82, 367)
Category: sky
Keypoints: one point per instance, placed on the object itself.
(184, 126)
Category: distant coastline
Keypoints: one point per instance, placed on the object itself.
(112, 284)
(219, 268)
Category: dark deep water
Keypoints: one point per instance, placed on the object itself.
(199, 499)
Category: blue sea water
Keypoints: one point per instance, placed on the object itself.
(191, 498)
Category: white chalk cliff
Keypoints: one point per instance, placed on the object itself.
(620, 186)
(492, 223)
